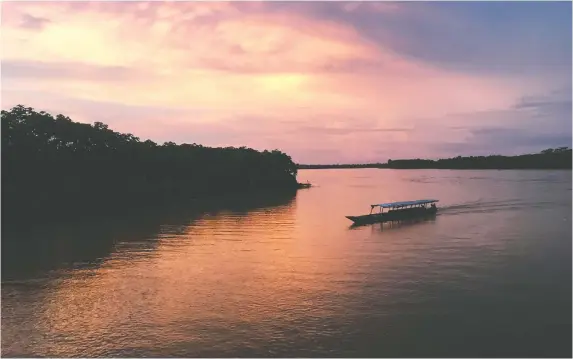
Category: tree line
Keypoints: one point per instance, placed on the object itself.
(558, 158)
(359, 165)
(551, 158)
(55, 164)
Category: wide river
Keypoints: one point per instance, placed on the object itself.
(490, 275)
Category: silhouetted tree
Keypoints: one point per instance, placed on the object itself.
(54, 163)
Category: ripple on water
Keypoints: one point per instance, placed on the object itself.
(294, 280)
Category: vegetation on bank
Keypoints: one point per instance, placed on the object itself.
(54, 164)
(368, 165)
(558, 158)
(552, 158)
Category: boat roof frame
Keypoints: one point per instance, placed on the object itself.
(404, 203)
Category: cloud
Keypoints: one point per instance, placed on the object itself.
(552, 111)
(28, 69)
(486, 142)
(314, 79)
(345, 131)
(541, 46)
(553, 108)
(534, 123)
(33, 22)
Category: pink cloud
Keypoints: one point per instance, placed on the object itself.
(206, 67)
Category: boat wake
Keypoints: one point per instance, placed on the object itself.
(482, 206)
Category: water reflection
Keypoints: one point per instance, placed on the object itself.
(385, 226)
(34, 251)
(31, 250)
(85, 284)
(490, 276)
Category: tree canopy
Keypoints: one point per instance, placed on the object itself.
(54, 162)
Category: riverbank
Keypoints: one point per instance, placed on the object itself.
(54, 167)
(552, 158)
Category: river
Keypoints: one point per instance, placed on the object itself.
(490, 275)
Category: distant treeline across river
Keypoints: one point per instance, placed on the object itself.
(552, 158)
(52, 166)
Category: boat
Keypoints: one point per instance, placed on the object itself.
(397, 211)
(304, 185)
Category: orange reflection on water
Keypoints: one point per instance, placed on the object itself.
(228, 272)
(293, 278)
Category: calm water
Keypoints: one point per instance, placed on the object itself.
(489, 276)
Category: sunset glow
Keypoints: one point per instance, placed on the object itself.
(334, 82)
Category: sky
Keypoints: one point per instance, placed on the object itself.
(325, 82)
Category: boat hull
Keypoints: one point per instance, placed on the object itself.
(398, 215)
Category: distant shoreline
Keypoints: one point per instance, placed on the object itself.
(550, 159)
(431, 168)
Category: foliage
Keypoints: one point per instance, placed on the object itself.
(53, 162)
(552, 158)
(368, 165)
(559, 158)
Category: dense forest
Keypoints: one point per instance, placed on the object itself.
(558, 158)
(52, 165)
(368, 165)
(552, 158)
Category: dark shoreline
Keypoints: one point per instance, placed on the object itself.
(549, 159)
(56, 169)
(437, 168)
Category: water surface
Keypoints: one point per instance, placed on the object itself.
(489, 276)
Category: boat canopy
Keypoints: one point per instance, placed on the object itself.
(404, 203)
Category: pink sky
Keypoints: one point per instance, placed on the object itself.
(323, 82)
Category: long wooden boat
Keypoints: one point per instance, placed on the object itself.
(397, 211)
